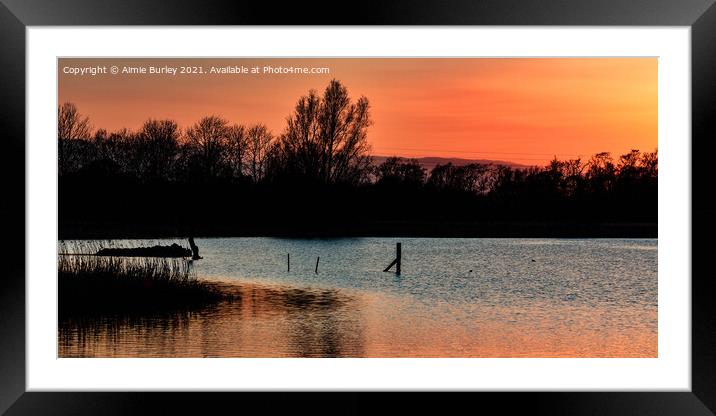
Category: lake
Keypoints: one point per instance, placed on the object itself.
(469, 297)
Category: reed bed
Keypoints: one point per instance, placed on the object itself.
(88, 283)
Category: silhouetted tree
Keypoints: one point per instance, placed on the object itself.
(396, 171)
(246, 176)
(650, 164)
(573, 175)
(259, 144)
(237, 149)
(157, 145)
(71, 125)
(472, 178)
(601, 172)
(208, 139)
(325, 138)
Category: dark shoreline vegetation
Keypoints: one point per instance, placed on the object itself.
(102, 285)
(442, 229)
(317, 179)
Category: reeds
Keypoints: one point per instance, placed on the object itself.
(88, 283)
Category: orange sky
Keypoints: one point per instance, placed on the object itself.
(522, 110)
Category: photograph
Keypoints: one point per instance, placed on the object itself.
(230, 199)
(357, 207)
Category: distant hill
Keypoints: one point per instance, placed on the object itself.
(431, 161)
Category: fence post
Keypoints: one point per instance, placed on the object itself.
(398, 257)
(397, 261)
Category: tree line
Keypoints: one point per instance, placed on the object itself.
(325, 140)
(322, 158)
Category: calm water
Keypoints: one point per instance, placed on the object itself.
(523, 298)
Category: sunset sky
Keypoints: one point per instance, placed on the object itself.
(521, 110)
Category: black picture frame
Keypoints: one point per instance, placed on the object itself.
(16, 15)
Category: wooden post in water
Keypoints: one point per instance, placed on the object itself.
(398, 256)
(397, 261)
(288, 262)
(194, 249)
(317, 258)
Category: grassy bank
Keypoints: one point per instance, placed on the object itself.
(92, 284)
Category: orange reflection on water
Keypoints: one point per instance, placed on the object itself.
(496, 331)
(281, 321)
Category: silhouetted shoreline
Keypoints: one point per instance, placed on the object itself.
(317, 178)
(105, 284)
(382, 229)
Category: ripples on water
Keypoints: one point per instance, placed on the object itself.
(523, 298)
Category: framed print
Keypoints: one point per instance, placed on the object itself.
(425, 198)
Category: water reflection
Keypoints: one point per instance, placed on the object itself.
(282, 321)
(523, 298)
(262, 321)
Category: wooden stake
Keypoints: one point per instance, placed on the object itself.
(288, 262)
(398, 258)
(317, 258)
(397, 261)
(390, 265)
